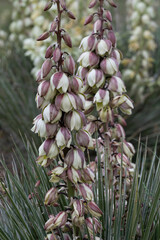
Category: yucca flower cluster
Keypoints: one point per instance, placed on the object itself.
(142, 45)
(28, 22)
(103, 85)
(61, 124)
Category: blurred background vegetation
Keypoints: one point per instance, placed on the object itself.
(18, 86)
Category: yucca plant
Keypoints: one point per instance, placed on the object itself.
(23, 212)
(17, 100)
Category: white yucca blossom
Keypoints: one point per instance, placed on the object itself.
(141, 23)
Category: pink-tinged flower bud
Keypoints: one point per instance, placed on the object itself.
(48, 6)
(59, 81)
(124, 103)
(95, 77)
(66, 102)
(90, 127)
(44, 130)
(111, 2)
(112, 37)
(122, 121)
(49, 224)
(94, 209)
(87, 105)
(51, 237)
(101, 99)
(88, 176)
(48, 148)
(109, 66)
(74, 120)
(60, 219)
(49, 52)
(51, 114)
(63, 102)
(57, 172)
(88, 20)
(118, 132)
(77, 220)
(75, 84)
(41, 102)
(46, 68)
(108, 15)
(103, 47)
(67, 39)
(57, 54)
(53, 26)
(116, 85)
(93, 226)
(82, 72)
(63, 4)
(88, 59)
(43, 36)
(92, 3)
(88, 43)
(75, 158)
(106, 115)
(124, 159)
(45, 90)
(73, 175)
(78, 213)
(117, 55)
(51, 197)
(63, 138)
(37, 184)
(69, 65)
(128, 149)
(97, 26)
(84, 139)
(71, 15)
(38, 76)
(127, 106)
(86, 192)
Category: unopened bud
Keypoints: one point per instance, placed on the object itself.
(71, 15)
(49, 52)
(63, 138)
(84, 139)
(101, 99)
(46, 68)
(44, 90)
(94, 209)
(63, 4)
(48, 148)
(86, 192)
(92, 3)
(97, 26)
(69, 65)
(48, 6)
(67, 39)
(88, 59)
(103, 47)
(51, 197)
(59, 81)
(109, 66)
(43, 36)
(108, 15)
(88, 20)
(57, 54)
(88, 43)
(53, 26)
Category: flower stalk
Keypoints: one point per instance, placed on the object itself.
(61, 124)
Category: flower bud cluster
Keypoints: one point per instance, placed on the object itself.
(103, 84)
(61, 124)
(142, 45)
(28, 23)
